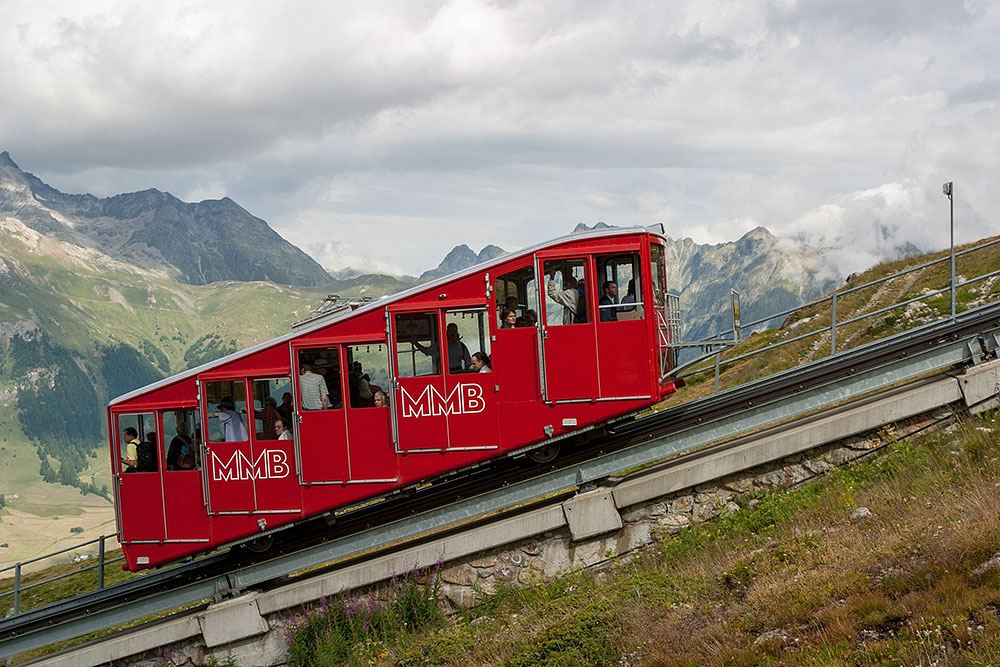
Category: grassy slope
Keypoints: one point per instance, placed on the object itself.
(791, 578)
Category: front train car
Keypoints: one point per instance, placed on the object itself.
(508, 356)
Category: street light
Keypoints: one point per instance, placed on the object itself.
(947, 188)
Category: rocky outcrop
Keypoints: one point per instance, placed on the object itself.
(462, 257)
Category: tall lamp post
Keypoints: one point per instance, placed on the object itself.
(947, 187)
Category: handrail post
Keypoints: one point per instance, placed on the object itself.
(948, 189)
(17, 589)
(737, 328)
(951, 205)
(833, 325)
(100, 561)
(717, 356)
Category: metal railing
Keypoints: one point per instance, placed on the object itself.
(668, 326)
(713, 359)
(101, 563)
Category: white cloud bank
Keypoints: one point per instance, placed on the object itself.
(381, 135)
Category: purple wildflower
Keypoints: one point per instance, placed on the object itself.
(349, 607)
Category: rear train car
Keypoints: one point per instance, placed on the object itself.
(393, 393)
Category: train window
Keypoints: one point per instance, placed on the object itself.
(368, 380)
(182, 433)
(272, 404)
(515, 291)
(417, 348)
(619, 287)
(136, 451)
(468, 337)
(565, 282)
(656, 269)
(324, 362)
(227, 410)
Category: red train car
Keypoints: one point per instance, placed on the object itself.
(362, 401)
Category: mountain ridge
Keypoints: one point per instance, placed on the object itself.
(198, 243)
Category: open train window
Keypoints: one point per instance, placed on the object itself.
(272, 406)
(182, 435)
(368, 377)
(319, 379)
(136, 452)
(515, 292)
(467, 336)
(227, 411)
(418, 350)
(656, 269)
(565, 291)
(619, 287)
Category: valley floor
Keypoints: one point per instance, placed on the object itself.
(40, 520)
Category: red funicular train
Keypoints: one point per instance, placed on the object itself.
(397, 391)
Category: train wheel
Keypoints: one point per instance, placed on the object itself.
(545, 453)
(260, 544)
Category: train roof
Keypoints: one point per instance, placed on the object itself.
(345, 313)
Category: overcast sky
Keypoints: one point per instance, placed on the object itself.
(379, 135)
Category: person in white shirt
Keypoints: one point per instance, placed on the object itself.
(313, 389)
(232, 423)
(566, 297)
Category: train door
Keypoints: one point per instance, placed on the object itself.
(622, 332)
(182, 484)
(321, 428)
(229, 456)
(139, 485)
(276, 488)
(569, 341)
(515, 351)
(421, 423)
(371, 455)
(664, 330)
(470, 388)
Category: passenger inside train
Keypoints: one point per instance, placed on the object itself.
(131, 439)
(481, 363)
(565, 288)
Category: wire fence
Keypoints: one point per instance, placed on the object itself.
(716, 346)
(87, 564)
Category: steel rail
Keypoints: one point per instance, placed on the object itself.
(649, 440)
(852, 362)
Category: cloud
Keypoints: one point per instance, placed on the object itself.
(887, 19)
(385, 135)
(980, 91)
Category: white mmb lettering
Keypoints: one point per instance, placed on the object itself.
(270, 464)
(466, 398)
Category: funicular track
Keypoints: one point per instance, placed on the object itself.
(461, 500)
